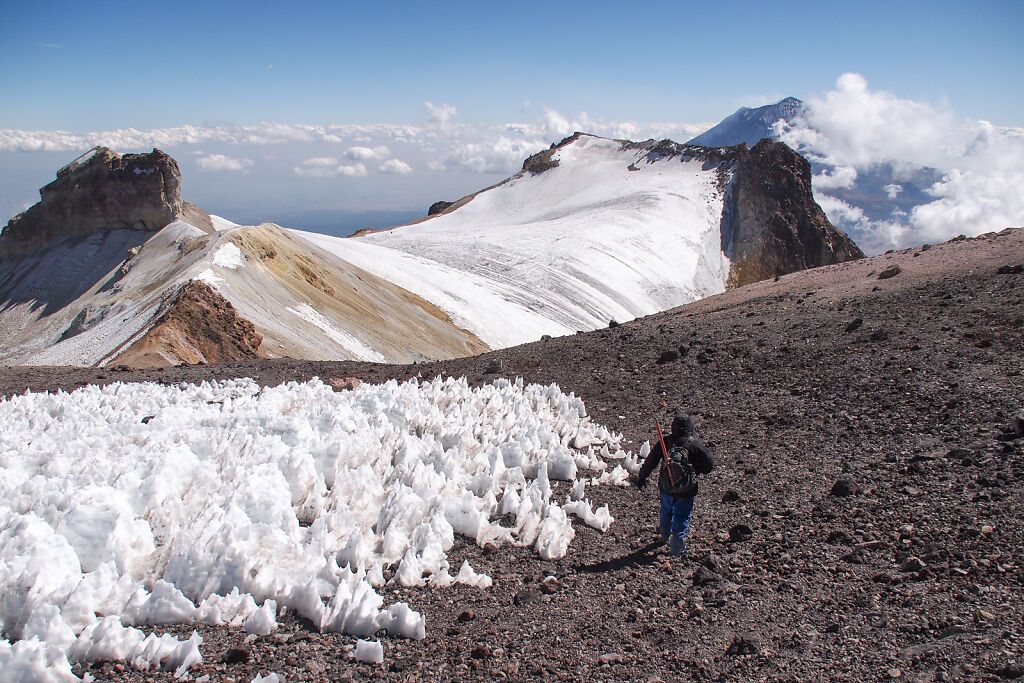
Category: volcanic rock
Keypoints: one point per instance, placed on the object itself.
(438, 207)
(772, 225)
(199, 326)
(102, 190)
(844, 487)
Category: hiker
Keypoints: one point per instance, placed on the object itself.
(677, 480)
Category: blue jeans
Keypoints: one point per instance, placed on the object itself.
(675, 521)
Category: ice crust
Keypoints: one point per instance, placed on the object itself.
(143, 504)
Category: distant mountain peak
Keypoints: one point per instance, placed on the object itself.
(749, 125)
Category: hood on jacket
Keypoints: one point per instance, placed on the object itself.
(682, 426)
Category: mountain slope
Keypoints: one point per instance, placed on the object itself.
(591, 230)
(595, 229)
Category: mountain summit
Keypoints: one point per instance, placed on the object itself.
(749, 125)
(590, 230)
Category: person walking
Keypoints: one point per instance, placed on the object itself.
(682, 458)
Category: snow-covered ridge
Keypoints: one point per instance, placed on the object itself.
(224, 503)
(609, 233)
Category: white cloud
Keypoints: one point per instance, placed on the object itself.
(840, 176)
(367, 154)
(327, 167)
(396, 166)
(504, 155)
(221, 162)
(892, 191)
(440, 115)
(981, 166)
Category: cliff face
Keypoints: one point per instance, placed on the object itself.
(771, 224)
(101, 190)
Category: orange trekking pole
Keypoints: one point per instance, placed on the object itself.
(664, 452)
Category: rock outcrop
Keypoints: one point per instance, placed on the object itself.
(199, 326)
(101, 190)
(771, 224)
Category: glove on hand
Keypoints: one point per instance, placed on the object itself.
(639, 483)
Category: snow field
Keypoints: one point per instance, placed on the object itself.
(142, 504)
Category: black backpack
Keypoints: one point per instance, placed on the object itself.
(679, 475)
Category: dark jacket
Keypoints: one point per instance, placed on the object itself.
(682, 430)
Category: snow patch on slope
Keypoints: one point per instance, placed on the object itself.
(360, 350)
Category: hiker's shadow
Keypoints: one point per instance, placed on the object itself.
(642, 556)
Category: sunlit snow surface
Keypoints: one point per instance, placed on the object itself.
(223, 503)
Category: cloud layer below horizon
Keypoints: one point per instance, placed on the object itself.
(278, 169)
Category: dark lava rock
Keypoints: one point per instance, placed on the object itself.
(844, 487)
(889, 272)
(854, 324)
(668, 357)
(731, 496)
(1011, 270)
(613, 323)
(480, 652)
(438, 207)
(494, 367)
(235, 655)
(740, 533)
(706, 577)
(527, 596)
(912, 565)
(542, 161)
(839, 537)
(1018, 426)
(742, 646)
(466, 615)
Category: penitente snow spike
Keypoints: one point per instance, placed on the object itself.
(664, 453)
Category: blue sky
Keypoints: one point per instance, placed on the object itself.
(96, 65)
(335, 116)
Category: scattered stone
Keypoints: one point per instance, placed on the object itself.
(878, 620)
(1018, 426)
(839, 537)
(1011, 671)
(879, 335)
(1011, 270)
(613, 323)
(706, 577)
(740, 533)
(742, 646)
(854, 324)
(683, 349)
(527, 596)
(844, 487)
(894, 673)
(466, 615)
(981, 615)
(147, 418)
(494, 367)
(912, 565)
(889, 272)
(668, 357)
(481, 652)
(611, 658)
(235, 655)
(731, 496)
(344, 383)
(550, 585)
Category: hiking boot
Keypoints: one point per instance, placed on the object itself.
(665, 534)
(676, 547)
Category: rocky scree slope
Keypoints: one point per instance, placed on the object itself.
(863, 521)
